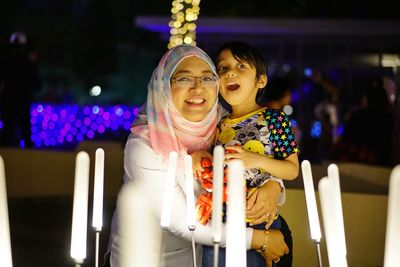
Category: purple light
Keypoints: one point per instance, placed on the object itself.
(86, 121)
(63, 113)
(56, 125)
(136, 111)
(22, 143)
(83, 129)
(74, 130)
(106, 116)
(39, 108)
(114, 126)
(95, 109)
(127, 114)
(90, 134)
(54, 117)
(86, 110)
(69, 138)
(93, 126)
(79, 137)
(127, 125)
(101, 129)
(1, 125)
(119, 111)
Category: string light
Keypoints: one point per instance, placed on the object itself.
(182, 24)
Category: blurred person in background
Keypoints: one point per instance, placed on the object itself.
(367, 134)
(19, 80)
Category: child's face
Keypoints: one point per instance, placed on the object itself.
(238, 82)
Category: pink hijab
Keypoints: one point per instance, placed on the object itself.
(160, 122)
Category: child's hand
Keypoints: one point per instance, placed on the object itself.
(197, 156)
(250, 159)
(262, 203)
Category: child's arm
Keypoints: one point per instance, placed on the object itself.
(287, 169)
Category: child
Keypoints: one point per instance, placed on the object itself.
(261, 137)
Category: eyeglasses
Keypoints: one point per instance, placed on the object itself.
(190, 81)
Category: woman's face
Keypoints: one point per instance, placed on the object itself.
(194, 88)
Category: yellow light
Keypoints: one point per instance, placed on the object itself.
(188, 40)
(182, 27)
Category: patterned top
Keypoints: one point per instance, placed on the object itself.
(265, 131)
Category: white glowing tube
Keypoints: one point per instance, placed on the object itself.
(312, 210)
(190, 211)
(97, 220)
(169, 185)
(217, 197)
(333, 175)
(329, 215)
(140, 233)
(80, 208)
(5, 240)
(392, 242)
(236, 226)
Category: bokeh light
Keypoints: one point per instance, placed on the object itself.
(60, 125)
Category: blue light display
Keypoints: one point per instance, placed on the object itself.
(57, 125)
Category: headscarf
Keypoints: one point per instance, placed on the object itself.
(161, 123)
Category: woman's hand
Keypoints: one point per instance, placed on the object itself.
(197, 156)
(262, 203)
(270, 244)
(276, 247)
(249, 159)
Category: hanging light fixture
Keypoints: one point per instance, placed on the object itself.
(184, 14)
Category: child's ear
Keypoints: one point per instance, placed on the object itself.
(262, 81)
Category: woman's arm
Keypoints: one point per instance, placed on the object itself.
(142, 164)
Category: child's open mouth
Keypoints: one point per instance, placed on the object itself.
(232, 86)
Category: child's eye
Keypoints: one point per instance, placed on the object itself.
(221, 69)
(242, 66)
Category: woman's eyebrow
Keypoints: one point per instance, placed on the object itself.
(182, 72)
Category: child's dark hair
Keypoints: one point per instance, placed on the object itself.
(246, 53)
(276, 89)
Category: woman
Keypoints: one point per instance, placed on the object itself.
(181, 115)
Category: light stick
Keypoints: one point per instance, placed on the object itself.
(190, 211)
(97, 218)
(392, 242)
(80, 208)
(333, 175)
(5, 240)
(312, 210)
(329, 215)
(236, 226)
(217, 199)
